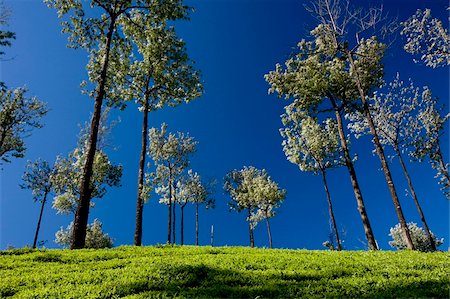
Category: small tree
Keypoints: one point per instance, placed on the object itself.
(37, 178)
(428, 37)
(252, 189)
(418, 235)
(191, 189)
(269, 197)
(19, 115)
(314, 148)
(171, 153)
(95, 236)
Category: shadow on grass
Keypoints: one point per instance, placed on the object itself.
(206, 282)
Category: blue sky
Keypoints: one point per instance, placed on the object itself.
(234, 43)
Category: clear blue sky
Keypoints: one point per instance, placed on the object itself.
(234, 42)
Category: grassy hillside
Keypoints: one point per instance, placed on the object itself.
(221, 272)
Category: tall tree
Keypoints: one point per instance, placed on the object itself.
(356, 64)
(37, 178)
(19, 115)
(395, 115)
(318, 82)
(99, 28)
(428, 37)
(170, 153)
(164, 76)
(314, 148)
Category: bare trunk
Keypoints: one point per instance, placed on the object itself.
(169, 216)
(196, 223)
(250, 226)
(269, 232)
(174, 205)
(182, 224)
(82, 213)
(416, 201)
(39, 221)
(380, 152)
(330, 210)
(141, 172)
(358, 195)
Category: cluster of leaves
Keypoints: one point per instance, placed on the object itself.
(252, 189)
(312, 146)
(428, 37)
(171, 153)
(95, 237)
(206, 272)
(408, 120)
(67, 177)
(191, 189)
(418, 236)
(19, 114)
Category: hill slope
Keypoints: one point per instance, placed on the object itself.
(221, 272)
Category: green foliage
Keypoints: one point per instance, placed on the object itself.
(428, 38)
(68, 171)
(205, 272)
(5, 35)
(311, 145)
(19, 114)
(95, 237)
(37, 178)
(418, 236)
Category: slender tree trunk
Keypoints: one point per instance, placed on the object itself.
(174, 205)
(380, 152)
(196, 223)
(39, 221)
(140, 201)
(416, 200)
(269, 232)
(182, 224)
(330, 210)
(169, 216)
(82, 213)
(250, 226)
(358, 195)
